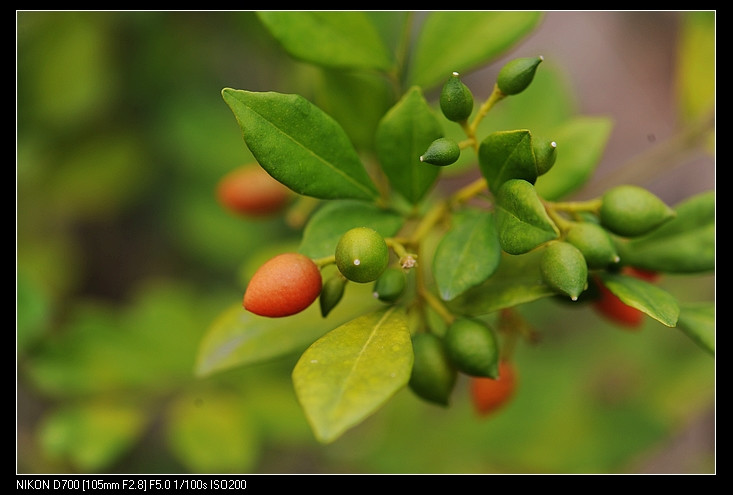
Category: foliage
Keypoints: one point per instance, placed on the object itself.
(134, 353)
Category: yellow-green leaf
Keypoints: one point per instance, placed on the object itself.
(344, 39)
(462, 41)
(347, 374)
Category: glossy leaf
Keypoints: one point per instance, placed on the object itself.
(350, 372)
(343, 39)
(506, 155)
(300, 145)
(468, 254)
(239, 338)
(462, 41)
(685, 244)
(516, 281)
(332, 220)
(403, 135)
(697, 321)
(522, 222)
(581, 142)
(644, 296)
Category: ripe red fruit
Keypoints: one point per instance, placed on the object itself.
(488, 395)
(249, 190)
(283, 286)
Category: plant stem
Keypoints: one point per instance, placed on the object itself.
(495, 96)
(436, 304)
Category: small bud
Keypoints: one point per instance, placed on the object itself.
(473, 347)
(456, 100)
(390, 285)
(331, 293)
(433, 375)
(441, 152)
(517, 74)
(545, 153)
(563, 268)
(631, 211)
(594, 242)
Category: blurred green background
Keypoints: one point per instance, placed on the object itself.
(124, 258)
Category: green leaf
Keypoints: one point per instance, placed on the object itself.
(300, 145)
(239, 338)
(357, 101)
(468, 254)
(332, 220)
(516, 281)
(505, 155)
(685, 244)
(403, 134)
(91, 436)
(581, 142)
(462, 41)
(522, 221)
(343, 39)
(350, 372)
(212, 433)
(644, 296)
(697, 321)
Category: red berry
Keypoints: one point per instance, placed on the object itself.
(488, 395)
(285, 285)
(609, 305)
(249, 190)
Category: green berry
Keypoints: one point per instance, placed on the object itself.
(362, 255)
(545, 153)
(563, 268)
(594, 242)
(441, 152)
(456, 100)
(433, 375)
(331, 293)
(473, 347)
(390, 285)
(631, 211)
(517, 74)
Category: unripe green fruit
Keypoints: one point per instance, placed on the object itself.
(473, 347)
(631, 211)
(545, 153)
(390, 285)
(433, 375)
(563, 268)
(441, 152)
(517, 74)
(456, 100)
(362, 255)
(283, 286)
(331, 293)
(594, 242)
